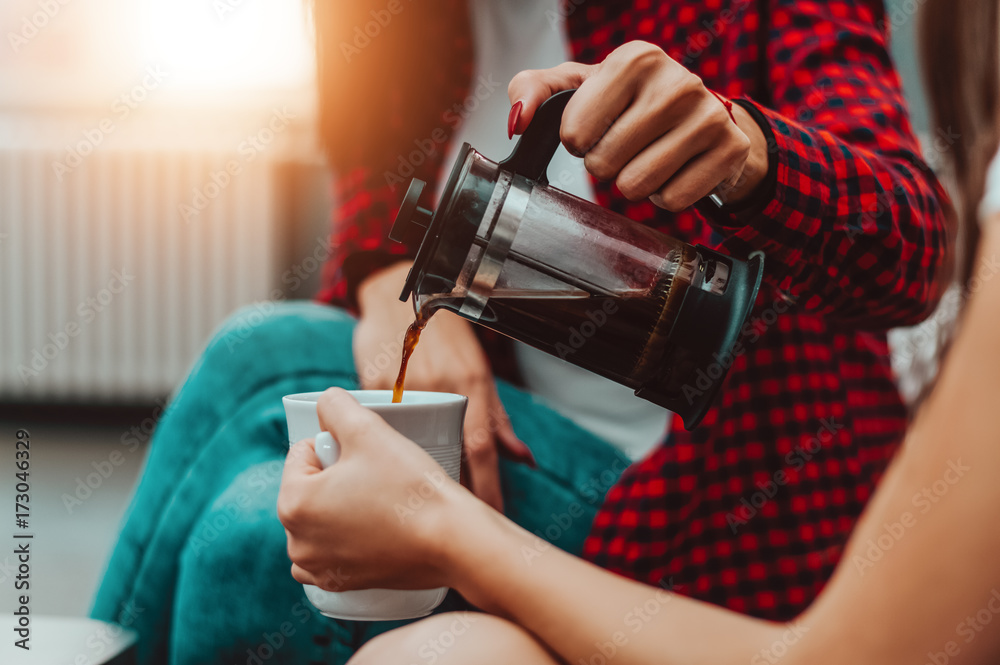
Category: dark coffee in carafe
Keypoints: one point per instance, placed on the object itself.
(507, 251)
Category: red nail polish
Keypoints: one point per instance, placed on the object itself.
(515, 115)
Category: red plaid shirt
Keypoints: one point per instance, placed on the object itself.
(752, 509)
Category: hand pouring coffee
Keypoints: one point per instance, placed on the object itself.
(508, 251)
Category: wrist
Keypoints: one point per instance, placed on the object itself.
(755, 168)
(475, 546)
(382, 286)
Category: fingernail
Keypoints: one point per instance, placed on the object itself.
(515, 115)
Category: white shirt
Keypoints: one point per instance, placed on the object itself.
(510, 36)
(991, 194)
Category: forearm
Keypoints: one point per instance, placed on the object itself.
(920, 564)
(580, 611)
(381, 288)
(849, 232)
(924, 553)
(359, 239)
(856, 227)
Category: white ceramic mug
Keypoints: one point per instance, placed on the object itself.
(431, 420)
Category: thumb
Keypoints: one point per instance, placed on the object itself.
(533, 86)
(347, 421)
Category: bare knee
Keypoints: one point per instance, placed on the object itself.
(459, 638)
(435, 635)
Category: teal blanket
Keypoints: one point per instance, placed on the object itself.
(200, 568)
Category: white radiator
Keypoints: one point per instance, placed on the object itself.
(107, 292)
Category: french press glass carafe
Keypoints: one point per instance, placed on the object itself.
(508, 251)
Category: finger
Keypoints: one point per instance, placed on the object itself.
(533, 86)
(300, 465)
(331, 579)
(328, 580)
(481, 451)
(514, 449)
(649, 171)
(302, 576)
(635, 130)
(699, 178)
(346, 420)
(594, 109)
(302, 460)
(653, 113)
(484, 478)
(509, 445)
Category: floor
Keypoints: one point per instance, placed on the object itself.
(82, 475)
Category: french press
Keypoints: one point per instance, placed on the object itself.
(506, 250)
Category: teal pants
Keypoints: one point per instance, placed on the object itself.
(200, 569)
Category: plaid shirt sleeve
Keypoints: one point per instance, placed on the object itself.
(359, 243)
(367, 198)
(855, 228)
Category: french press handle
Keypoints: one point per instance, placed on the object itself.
(538, 144)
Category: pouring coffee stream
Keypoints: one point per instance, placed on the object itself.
(410, 341)
(506, 250)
